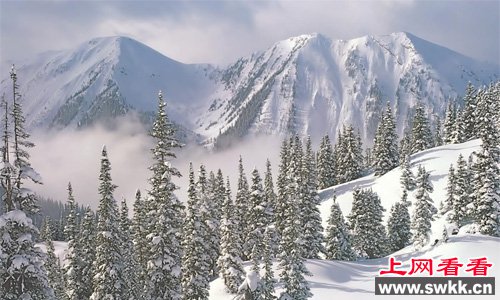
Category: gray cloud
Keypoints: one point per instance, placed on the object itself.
(221, 31)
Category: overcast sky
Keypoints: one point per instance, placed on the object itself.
(219, 32)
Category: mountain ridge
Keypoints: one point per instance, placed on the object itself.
(308, 84)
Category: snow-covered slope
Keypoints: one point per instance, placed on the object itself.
(355, 280)
(307, 84)
(436, 161)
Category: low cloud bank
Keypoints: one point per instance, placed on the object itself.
(74, 156)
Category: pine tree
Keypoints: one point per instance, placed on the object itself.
(447, 204)
(485, 127)
(407, 179)
(47, 231)
(469, 113)
(449, 123)
(365, 220)
(20, 260)
(398, 226)
(350, 157)
(326, 164)
(215, 197)
(53, 265)
(458, 135)
(424, 209)
(257, 217)
(242, 209)
(291, 263)
(230, 264)
(487, 200)
(338, 239)
(140, 244)
(405, 146)
(438, 136)
(385, 150)
(268, 281)
(130, 264)
(87, 237)
(73, 256)
(196, 260)
(421, 133)
(71, 227)
(164, 215)
(282, 183)
(109, 281)
(312, 229)
(7, 171)
(462, 193)
(271, 199)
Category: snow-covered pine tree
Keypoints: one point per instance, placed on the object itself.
(109, 281)
(398, 225)
(447, 204)
(424, 209)
(268, 281)
(242, 209)
(312, 229)
(6, 170)
(338, 239)
(421, 132)
(438, 135)
(72, 268)
(140, 240)
(87, 237)
(196, 259)
(487, 192)
(485, 127)
(369, 234)
(130, 264)
(20, 260)
(71, 226)
(485, 198)
(469, 113)
(270, 199)
(449, 123)
(459, 129)
(291, 262)
(257, 219)
(53, 265)
(47, 231)
(462, 193)
(282, 183)
(385, 150)
(164, 214)
(215, 198)
(230, 264)
(350, 157)
(326, 164)
(407, 179)
(405, 146)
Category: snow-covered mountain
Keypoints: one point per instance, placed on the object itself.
(312, 85)
(107, 77)
(307, 84)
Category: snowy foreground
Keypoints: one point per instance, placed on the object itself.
(355, 280)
